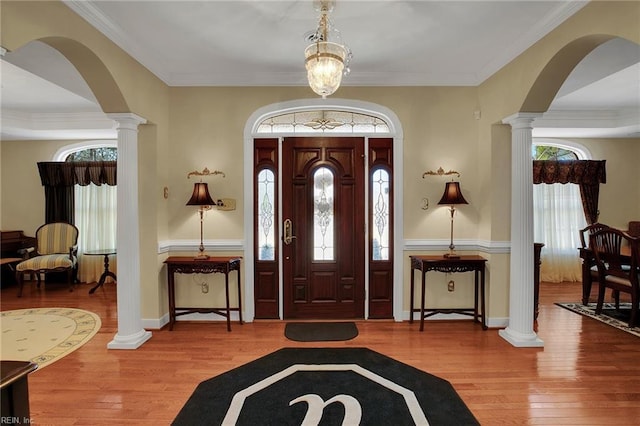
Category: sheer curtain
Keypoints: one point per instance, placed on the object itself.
(557, 219)
(95, 217)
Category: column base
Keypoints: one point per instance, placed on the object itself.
(129, 342)
(521, 340)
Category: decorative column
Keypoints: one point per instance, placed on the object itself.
(520, 330)
(131, 334)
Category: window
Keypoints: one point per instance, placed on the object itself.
(95, 215)
(266, 215)
(380, 214)
(323, 121)
(323, 211)
(557, 219)
(546, 152)
(105, 153)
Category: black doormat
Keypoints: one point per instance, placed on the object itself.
(320, 331)
(325, 386)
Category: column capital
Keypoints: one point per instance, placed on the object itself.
(127, 120)
(521, 120)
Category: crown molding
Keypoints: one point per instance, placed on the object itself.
(561, 13)
(148, 59)
(622, 123)
(87, 11)
(61, 125)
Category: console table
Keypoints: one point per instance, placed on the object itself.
(15, 391)
(189, 265)
(473, 263)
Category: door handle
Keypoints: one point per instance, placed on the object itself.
(287, 237)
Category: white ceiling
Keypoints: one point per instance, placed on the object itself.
(261, 43)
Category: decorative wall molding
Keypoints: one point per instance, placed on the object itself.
(167, 246)
(588, 123)
(587, 119)
(60, 125)
(484, 246)
(158, 323)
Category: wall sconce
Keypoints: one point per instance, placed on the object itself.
(201, 198)
(439, 172)
(224, 204)
(452, 196)
(205, 172)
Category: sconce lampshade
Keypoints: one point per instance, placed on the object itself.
(200, 196)
(452, 194)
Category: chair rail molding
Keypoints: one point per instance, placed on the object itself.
(184, 245)
(483, 246)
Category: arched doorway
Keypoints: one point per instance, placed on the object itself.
(537, 101)
(101, 83)
(251, 132)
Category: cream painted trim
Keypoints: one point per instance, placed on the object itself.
(500, 322)
(483, 246)
(158, 323)
(167, 246)
(490, 247)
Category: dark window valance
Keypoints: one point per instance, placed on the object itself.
(581, 172)
(54, 173)
(588, 174)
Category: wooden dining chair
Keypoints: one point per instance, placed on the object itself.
(589, 267)
(617, 271)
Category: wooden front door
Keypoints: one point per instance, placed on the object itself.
(323, 227)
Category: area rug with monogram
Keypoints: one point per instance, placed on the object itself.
(45, 335)
(610, 315)
(328, 386)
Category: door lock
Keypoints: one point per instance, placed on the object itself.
(287, 236)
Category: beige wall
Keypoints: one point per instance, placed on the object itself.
(620, 197)
(439, 130)
(22, 192)
(193, 128)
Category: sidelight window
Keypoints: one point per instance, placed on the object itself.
(380, 183)
(323, 215)
(266, 215)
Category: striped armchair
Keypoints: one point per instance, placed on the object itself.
(56, 251)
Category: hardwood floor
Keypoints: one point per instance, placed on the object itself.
(586, 374)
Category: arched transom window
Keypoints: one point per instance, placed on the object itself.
(323, 121)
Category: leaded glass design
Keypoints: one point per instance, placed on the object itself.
(323, 214)
(324, 121)
(266, 215)
(380, 184)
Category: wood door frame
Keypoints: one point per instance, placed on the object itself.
(395, 132)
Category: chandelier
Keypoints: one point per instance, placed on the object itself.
(327, 57)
